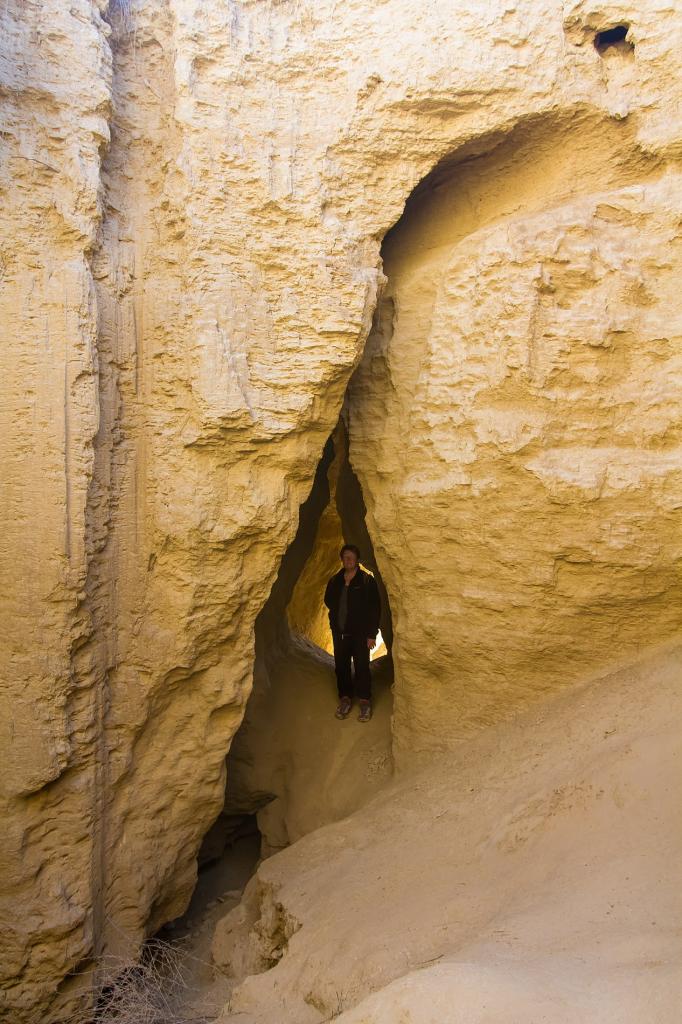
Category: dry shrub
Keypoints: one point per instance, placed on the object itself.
(150, 989)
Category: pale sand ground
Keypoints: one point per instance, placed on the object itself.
(532, 877)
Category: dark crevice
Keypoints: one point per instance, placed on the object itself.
(272, 632)
(353, 515)
(228, 857)
(613, 38)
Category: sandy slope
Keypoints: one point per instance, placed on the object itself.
(533, 877)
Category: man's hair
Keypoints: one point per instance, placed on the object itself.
(350, 547)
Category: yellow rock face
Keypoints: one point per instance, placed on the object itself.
(193, 199)
(516, 425)
(305, 612)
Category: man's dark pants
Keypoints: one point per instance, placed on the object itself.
(346, 647)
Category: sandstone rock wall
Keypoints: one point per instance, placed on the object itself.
(194, 198)
(55, 75)
(516, 423)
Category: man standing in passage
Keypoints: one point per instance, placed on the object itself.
(352, 597)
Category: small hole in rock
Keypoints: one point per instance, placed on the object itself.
(613, 38)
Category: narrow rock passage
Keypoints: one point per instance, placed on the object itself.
(292, 764)
(197, 200)
(459, 436)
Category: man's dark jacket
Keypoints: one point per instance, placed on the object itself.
(364, 604)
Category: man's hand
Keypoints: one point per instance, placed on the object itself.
(371, 642)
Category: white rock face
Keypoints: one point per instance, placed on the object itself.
(194, 196)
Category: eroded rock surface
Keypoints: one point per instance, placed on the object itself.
(55, 106)
(194, 196)
(516, 424)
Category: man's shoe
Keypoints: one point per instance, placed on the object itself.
(343, 710)
(365, 711)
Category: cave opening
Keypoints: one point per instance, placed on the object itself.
(613, 39)
(292, 767)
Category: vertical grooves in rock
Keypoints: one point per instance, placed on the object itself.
(92, 653)
(55, 99)
(113, 277)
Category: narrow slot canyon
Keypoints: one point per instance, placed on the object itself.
(292, 764)
(273, 286)
(448, 418)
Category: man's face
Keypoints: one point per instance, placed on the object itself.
(350, 561)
